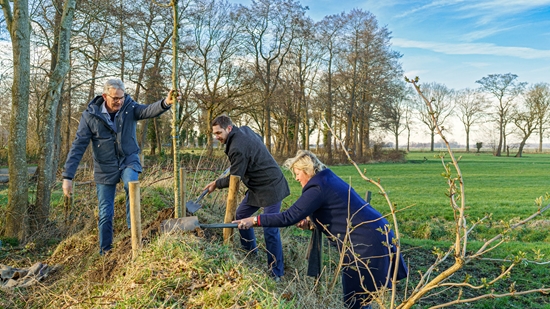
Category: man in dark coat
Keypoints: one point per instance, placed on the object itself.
(266, 184)
(109, 123)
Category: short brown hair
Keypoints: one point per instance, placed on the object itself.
(223, 121)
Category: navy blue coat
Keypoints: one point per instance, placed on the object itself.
(330, 202)
(113, 151)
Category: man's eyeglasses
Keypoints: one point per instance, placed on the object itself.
(115, 98)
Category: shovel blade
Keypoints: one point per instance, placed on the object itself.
(187, 224)
(192, 206)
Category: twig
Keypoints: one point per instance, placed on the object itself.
(492, 295)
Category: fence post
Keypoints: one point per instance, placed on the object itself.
(231, 207)
(180, 211)
(135, 217)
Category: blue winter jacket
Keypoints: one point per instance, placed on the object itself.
(330, 202)
(113, 151)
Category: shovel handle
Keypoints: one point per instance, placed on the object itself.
(218, 225)
(202, 195)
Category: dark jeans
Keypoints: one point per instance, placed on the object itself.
(353, 291)
(271, 234)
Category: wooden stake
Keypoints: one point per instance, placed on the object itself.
(231, 207)
(175, 106)
(135, 217)
(180, 211)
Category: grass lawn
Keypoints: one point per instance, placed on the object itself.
(505, 187)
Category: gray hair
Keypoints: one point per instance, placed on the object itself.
(306, 161)
(113, 84)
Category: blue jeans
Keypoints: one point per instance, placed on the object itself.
(271, 234)
(106, 199)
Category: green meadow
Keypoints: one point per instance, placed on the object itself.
(504, 187)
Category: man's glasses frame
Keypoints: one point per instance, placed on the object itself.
(115, 98)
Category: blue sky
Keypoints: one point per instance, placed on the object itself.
(456, 42)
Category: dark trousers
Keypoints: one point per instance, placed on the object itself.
(271, 234)
(354, 294)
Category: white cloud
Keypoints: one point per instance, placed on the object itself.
(430, 6)
(478, 64)
(480, 34)
(474, 49)
(481, 12)
(413, 73)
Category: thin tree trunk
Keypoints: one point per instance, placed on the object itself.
(50, 132)
(121, 41)
(501, 132)
(18, 190)
(267, 110)
(178, 211)
(540, 136)
(432, 140)
(467, 140)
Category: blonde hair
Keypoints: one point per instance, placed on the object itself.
(305, 161)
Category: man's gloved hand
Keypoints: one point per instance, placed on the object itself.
(67, 187)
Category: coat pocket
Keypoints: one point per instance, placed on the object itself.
(104, 150)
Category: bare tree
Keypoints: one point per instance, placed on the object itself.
(525, 119)
(295, 97)
(152, 34)
(354, 26)
(329, 33)
(505, 88)
(213, 45)
(397, 111)
(538, 97)
(50, 132)
(270, 27)
(18, 24)
(380, 73)
(368, 69)
(93, 40)
(440, 98)
(470, 107)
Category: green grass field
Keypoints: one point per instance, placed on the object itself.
(505, 187)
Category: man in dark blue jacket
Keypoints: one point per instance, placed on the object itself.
(109, 123)
(260, 173)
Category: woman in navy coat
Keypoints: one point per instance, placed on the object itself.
(330, 203)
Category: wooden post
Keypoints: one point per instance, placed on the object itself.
(231, 207)
(179, 212)
(68, 205)
(135, 217)
(175, 85)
